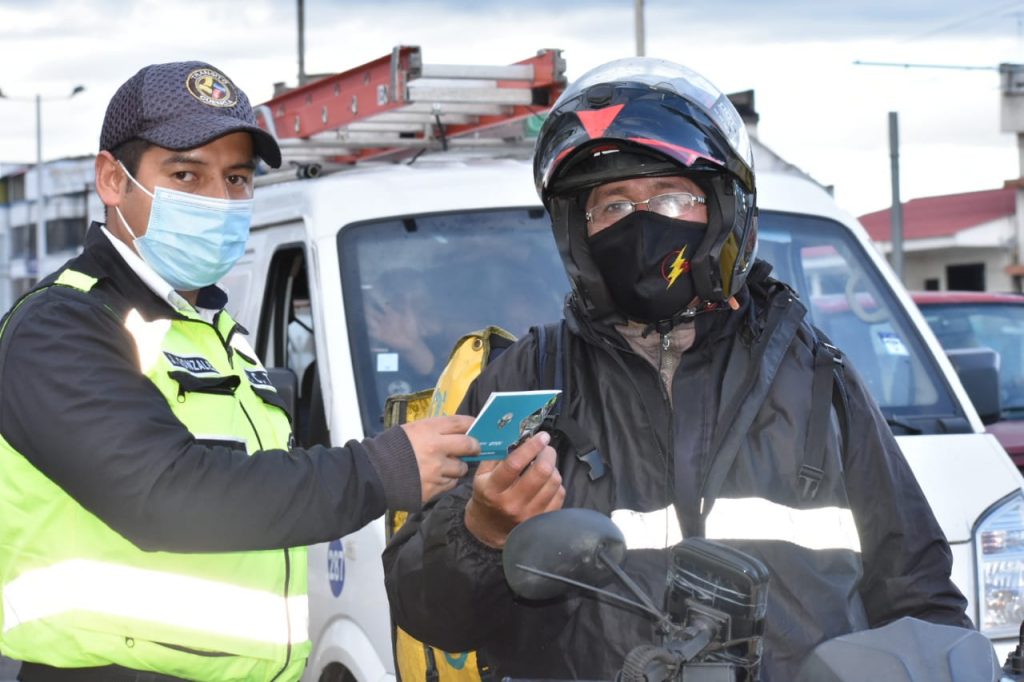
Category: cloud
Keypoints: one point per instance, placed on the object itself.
(818, 109)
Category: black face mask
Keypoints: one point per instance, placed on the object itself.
(645, 262)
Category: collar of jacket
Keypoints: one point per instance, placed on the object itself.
(710, 328)
(101, 260)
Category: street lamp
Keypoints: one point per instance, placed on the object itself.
(40, 175)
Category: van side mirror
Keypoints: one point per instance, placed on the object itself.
(978, 369)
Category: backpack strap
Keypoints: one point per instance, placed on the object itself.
(828, 360)
(829, 382)
(566, 433)
(750, 372)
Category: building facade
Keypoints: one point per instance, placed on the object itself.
(962, 241)
(69, 202)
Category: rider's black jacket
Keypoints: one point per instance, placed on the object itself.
(827, 577)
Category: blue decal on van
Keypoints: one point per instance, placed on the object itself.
(336, 566)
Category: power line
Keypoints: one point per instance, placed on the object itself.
(958, 67)
(965, 20)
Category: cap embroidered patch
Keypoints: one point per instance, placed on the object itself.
(211, 87)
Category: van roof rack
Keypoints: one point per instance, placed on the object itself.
(396, 106)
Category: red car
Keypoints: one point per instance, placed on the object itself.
(974, 319)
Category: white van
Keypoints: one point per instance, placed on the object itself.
(468, 240)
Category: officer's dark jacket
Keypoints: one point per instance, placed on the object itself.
(447, 589)
(74, 403)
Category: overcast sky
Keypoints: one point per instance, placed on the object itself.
(818, 110)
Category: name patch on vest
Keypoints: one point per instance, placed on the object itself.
(259, 377)
(193, 365)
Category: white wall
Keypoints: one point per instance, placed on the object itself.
(921, 265)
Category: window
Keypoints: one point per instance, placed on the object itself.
(412, 287)
(285, 341)
(966, 277)
(65, 234)
(848, 301)
(23, 241)
(16, 188)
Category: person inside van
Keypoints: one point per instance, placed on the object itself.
(406, 329)
(154, 511)
(711, 405)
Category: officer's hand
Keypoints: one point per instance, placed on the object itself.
(438, 443)
(509, 491)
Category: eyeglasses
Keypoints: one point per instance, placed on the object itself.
(671, 205)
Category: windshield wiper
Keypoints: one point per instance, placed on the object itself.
(906, 426)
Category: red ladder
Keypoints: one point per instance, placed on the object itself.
(397, 105)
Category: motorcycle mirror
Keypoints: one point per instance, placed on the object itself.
(564, 544)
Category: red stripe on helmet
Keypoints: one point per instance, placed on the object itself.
(597, 121)
(687, 156)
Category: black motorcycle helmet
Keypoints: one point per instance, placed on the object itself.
(640, 117)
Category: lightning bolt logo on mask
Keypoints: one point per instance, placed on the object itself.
(637, 256)
(679, 266)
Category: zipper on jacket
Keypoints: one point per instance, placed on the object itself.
(668, 457)
(666, 343)
(252, 425)
(226, 342)
(229, 352)
(287, 613)
(613, 351)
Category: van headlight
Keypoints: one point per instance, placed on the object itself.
(999, 557)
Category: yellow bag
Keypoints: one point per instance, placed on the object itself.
(414, 660)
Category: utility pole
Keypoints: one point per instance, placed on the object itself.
(638, 21)
(302, 43)
(1012, 76)
(896, 214)
(1012, 121)
(41, 198)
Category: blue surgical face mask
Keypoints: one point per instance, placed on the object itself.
(192, 241)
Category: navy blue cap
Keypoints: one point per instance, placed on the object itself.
(182, 105)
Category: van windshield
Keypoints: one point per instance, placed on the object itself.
(849, 301)
(413, 286)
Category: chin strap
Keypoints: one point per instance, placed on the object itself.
(692, 311)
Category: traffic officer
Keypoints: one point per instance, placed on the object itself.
(153, 514)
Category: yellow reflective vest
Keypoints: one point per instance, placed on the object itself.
(76, 594)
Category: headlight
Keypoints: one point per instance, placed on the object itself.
(999, 557)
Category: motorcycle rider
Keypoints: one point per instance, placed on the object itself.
(672, 329)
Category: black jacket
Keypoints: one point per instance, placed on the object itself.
(74, 403)
(448, 589)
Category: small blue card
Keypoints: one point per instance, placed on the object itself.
(508, 418)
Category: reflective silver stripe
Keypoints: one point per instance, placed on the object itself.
(755, 518)
(221, 609)
(149, 338)
(649, 530)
